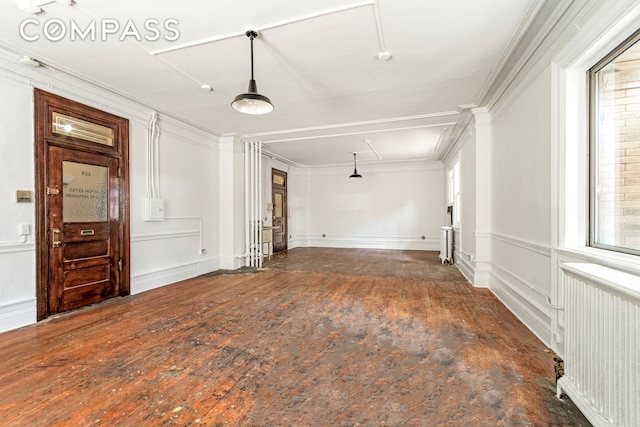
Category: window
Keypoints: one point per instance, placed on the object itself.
(614, 194)
(456, 194)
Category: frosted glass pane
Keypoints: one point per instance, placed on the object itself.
(78, 128)
(85, 191)
(278, 205)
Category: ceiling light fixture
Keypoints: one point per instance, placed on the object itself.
(252, 102)
(355, 173)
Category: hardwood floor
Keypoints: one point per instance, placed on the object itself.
(318, 338)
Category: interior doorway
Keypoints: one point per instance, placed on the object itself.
(82, 204)
(279, 203)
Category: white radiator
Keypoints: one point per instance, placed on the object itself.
(446, 244)
(602, 344)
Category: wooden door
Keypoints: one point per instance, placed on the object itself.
(279, 203)
(82, 224)
(84, 253)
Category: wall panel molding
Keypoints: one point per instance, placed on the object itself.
(16, 247)
(164, 236)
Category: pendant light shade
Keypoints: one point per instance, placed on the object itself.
(252, 102)
(355, 173)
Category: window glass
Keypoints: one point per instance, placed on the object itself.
(615, 150)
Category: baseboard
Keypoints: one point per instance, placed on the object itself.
(17, 314)
(519, 306)
(396, 243)
(466, 269)
(166, 276)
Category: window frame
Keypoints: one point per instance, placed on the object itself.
(593, 131)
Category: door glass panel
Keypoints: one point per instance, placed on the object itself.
(278, 180)
(78, 128)
(85, 191)
(278, 205)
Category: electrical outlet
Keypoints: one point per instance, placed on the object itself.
(24, 229)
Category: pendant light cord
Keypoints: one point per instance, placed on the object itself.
(251, 36)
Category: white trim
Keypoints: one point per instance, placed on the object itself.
(614, 260)
(263, 135)
(82, 89)
(521, 243)
(538, 248)
(16, 314)
(467, 268)
(163, 236)
(536, 320)
(142, 282)
(369, 242)
(16, 247)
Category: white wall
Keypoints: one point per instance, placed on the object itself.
(521, 196)
(391, 207)
(534, 167)
(185, 244)
(161, 252)
(17, 259)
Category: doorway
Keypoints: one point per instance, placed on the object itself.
(82, 205)
(279, 203)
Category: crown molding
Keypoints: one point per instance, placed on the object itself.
(73, 85)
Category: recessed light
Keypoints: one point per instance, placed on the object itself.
(206, 88)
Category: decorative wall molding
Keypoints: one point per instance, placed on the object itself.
(17, 314)
(86, 91)
(164, 236)
(515, 241)
(16, 247)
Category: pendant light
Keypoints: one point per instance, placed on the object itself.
(252, 102)
(355, 173)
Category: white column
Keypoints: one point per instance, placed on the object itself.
(231, 203)
(483, 196)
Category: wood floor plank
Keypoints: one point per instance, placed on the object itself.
(320, 337)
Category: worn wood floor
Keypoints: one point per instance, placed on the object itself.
(318, 338)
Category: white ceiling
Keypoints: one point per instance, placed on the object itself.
(317, 60)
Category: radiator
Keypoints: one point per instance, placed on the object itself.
(446, 244)
(602, 344)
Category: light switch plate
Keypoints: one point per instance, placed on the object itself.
(24, 229)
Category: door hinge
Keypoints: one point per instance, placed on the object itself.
(53, 191)
(120, 264)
